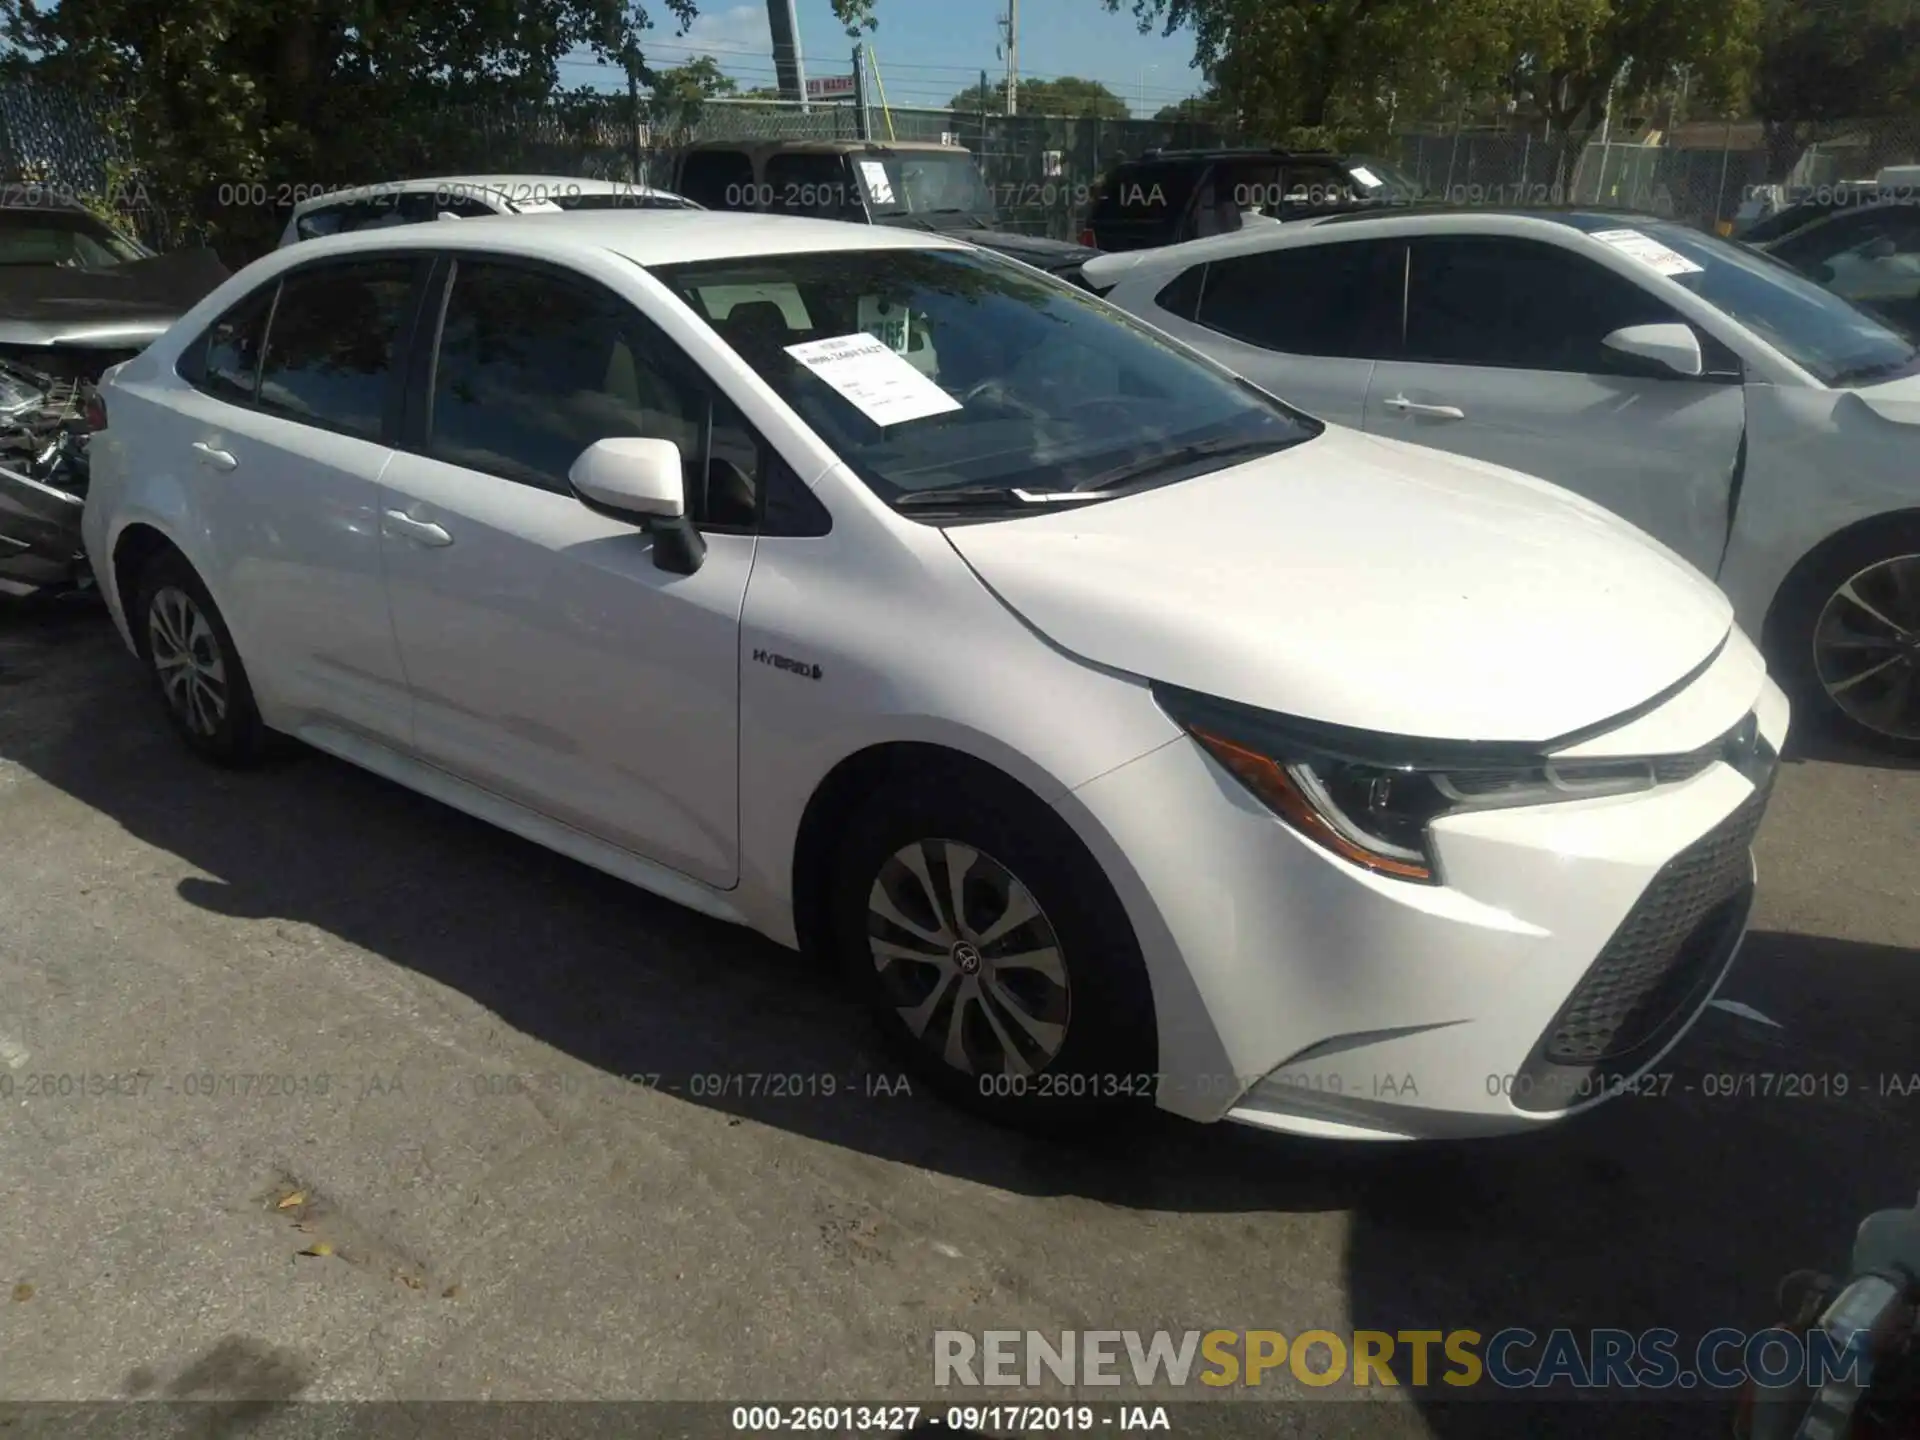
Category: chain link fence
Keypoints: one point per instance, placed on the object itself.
(1701, 174)
(1040, 169)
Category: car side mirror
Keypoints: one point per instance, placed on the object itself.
(1672, 345)
(644, 481)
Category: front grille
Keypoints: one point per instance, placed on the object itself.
(1656, 958)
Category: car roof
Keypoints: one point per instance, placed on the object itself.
(1382, 222)
(1162, 157)
(506, 187)
(21, 198)
(828, 147)
(651, 237)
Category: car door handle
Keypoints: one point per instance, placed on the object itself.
(1414, 407)
(214, 456)
(421, 532)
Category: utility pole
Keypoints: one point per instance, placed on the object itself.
(633, 121)
(789, 72)
(861, 118)
(1013, 57)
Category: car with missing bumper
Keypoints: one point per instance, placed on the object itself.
(76, 296)
(1124, 734)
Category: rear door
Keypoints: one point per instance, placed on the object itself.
(1502, 360)
(281, 422)
(1303, 322)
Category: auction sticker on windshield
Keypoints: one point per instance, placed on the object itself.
(874, 378)
(878, 186)
(1648, 251)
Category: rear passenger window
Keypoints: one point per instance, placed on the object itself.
(1340, 299)
(330, 351)
(533, 368)
(719, 180)
(225, 362)
(1182, 297)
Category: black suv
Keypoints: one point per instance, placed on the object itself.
(1166, 196)
(920, 185)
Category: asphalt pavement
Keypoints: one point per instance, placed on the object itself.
(314, 1089)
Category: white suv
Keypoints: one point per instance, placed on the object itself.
(1127, 735)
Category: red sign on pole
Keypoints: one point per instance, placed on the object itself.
(830, 87)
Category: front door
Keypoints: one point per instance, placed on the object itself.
(551, 660)
(1502, 361)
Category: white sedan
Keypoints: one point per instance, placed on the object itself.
(1127, 735)
(1761, 426)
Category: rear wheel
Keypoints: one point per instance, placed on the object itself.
(993, 953)
(1849, 642)
(195, 668)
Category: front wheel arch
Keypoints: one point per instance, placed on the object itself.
(1796, 599)
(844, 789)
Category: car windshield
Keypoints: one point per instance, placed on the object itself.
(936, 369)
(1377, 180)
(1831, 339)
(906, 182)
(30, 237)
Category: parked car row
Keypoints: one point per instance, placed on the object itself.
(1217, 675)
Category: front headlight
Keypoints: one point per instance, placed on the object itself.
(1372, 799)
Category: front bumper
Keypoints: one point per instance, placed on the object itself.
(1567, 949)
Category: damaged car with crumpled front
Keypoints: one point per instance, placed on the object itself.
(76, 297)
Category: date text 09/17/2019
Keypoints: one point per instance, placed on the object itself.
(958, 1419)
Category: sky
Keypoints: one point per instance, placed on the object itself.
(930, 49)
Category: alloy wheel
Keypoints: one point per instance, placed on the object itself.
(186, 656)
(968, 959)
(1866, 647)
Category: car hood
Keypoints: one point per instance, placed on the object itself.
(1896, 400)
(1367, 583)
(107, 306)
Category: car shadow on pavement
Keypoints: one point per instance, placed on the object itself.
(1680, 1208)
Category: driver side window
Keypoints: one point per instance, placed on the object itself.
(533, 367)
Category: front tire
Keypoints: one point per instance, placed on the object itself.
(194, 665)
(1848, 643)
(993, 954)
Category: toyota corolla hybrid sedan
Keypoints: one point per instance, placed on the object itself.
(1128, 736)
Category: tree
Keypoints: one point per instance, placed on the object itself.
(227, 97)
(1069, 96)
(1569, 59)
(1843, 60)
(1340, 71)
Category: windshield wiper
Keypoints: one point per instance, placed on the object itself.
(1184, 455)
(968, 497)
